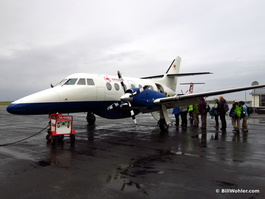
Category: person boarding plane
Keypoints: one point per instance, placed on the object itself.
(114, 97)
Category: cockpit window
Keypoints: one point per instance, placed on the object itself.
(61, 82)
(90, 82)
(71, 81)
(81, 81)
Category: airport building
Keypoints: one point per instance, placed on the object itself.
(258, 98)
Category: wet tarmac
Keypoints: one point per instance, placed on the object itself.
(115, 159)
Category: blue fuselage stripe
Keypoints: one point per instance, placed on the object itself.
(54, 107)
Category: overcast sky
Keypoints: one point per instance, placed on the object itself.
(41, 42)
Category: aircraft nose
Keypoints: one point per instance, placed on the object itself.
(43, 102)
(12, 108)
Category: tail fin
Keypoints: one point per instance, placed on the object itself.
(174, 67)
(173, 70)
(191, 88)
(170, 78)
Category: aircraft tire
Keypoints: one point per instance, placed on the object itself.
(163, 125)
(91, 118)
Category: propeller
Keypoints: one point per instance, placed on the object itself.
(129, 94)
(127, 98)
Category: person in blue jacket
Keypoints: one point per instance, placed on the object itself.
(176, 112)
(244, 116)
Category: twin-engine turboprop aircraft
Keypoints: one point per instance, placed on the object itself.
(114, 97)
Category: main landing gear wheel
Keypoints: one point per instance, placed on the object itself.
(90, 118)
(163, 125)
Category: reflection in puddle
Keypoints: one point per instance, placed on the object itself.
(119, 181)
(59, 157)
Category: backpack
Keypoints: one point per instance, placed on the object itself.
(213, 112)
(249, 111)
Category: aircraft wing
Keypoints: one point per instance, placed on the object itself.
(176, 75)
(193, 98)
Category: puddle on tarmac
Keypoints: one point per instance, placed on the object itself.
(119, 181)
(121, 178)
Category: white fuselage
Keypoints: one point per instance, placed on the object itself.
(82, 92)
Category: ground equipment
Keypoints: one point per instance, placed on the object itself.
(60, 126)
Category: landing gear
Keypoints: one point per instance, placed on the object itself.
(90, 118)
(164, 120)
(163, 125)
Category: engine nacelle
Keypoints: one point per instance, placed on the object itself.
(146, 98)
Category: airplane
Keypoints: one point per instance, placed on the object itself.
(190, 91)
(115, 97)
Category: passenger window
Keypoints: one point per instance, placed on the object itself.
(71, 81)
(132, 86)
(90, 82)
(116, 86)
(81, 81)
(151, 87)
(108, 85)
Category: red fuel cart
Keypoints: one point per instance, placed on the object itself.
(60, 126)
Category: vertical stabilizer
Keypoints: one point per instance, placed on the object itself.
(171, 81)
(174, 67)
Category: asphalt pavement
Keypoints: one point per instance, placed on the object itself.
(116, 159)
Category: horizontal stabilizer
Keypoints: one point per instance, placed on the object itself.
(176, 75)
(190, 83)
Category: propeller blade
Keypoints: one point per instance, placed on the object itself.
(132, 114)
(114, 105)
(122, 84)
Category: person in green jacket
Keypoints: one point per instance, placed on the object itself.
(190, 111)
(195, 115)
(235, 114)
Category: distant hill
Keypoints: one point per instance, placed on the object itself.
(5, 103)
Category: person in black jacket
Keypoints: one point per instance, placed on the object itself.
(223, 108)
